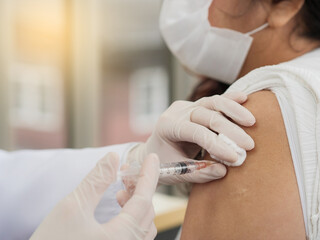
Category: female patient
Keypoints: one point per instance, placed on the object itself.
(275, 193)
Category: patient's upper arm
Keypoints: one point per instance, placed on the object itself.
(258, 200)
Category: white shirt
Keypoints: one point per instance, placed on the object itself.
(296, 85)
(33, 182)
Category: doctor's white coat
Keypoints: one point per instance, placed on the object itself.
(33, 182)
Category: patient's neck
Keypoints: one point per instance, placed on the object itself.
(270, 48)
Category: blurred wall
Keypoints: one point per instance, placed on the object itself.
(82, 73)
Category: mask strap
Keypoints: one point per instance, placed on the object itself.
(258, 29)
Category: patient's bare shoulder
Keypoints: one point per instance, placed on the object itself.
(258, 200)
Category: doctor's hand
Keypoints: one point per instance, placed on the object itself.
(73, 217)
(186, 127)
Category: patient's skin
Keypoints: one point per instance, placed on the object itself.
(281, 41)
(260, 199)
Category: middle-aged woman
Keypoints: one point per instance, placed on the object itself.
(273, 47)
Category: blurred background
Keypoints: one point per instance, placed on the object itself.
(83, 73)
(87, 73)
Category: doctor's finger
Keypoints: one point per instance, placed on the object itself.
(147, 221)
(149, 214)
(205, 138)
(92, 188)
(149, 176)
(230, 108)
(208, 174)
(122, 197)
(139, 204)
(220, 124)
(152, 233)
(238, 97)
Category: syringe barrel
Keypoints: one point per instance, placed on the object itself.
(167, 169)
(178, 168)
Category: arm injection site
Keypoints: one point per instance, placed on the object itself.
(168, 169)
(129, 174)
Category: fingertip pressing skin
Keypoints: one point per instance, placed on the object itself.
(239, 97)
(247, 119)
(235, 111)
(226, 153)
(219, 170)
(251, 120)
(249, 144)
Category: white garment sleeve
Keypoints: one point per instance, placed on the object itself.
(33, 182)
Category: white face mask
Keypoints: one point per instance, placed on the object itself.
(205, 50)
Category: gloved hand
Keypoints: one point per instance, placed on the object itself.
(186, 127)
(73, 217)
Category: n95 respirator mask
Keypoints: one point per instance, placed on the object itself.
(205, 50)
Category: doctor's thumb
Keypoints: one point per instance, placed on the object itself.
(93, 186)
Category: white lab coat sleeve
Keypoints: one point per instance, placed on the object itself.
(33, 182)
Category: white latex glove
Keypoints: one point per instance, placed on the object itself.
(73, 217)
(186, 127)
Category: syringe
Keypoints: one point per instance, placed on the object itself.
(169, 169)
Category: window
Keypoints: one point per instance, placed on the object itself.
(149, 97)
(36, 102)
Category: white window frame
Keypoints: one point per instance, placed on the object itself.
(149, 97)
(32, 81)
